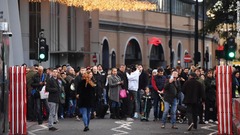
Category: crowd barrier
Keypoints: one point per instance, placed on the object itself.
(236, 116)
(17, 101)
(224, 99)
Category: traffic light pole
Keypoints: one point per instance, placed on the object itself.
(170, 41)
(196, 35)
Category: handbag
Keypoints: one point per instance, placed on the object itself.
(123, 93)
(43, 93)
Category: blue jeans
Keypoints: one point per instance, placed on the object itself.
(86, 115)
(173, 111)
(137, 102)
(71, 107)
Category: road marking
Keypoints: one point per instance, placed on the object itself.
(209, 128)
(120, 129)
(36, 130)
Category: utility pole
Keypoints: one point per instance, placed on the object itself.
(196, 54)
(170, 41)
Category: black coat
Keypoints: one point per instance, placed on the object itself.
(171, 91)
(210, 89)
(143, 80)
(193, 92)
(54, 90)
(86, 95)
(124, 78)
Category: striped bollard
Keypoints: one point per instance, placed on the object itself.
(17, 101)
(224, 99)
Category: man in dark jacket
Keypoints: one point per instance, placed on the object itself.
(171, 91)
(53, 99)
(158, 84)
(127, 103)
(193, 94)
(39, 80)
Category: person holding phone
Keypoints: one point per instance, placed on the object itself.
(171, 88)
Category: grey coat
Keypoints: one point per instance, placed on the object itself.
(114, 87)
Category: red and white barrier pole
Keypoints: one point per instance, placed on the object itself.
(224, 99)
(17, 101)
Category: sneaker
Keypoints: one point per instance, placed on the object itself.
(85, 129)
(216, 122)
(163, 126)
(135, 115)
(206, 122)
(61, 117)
(77, 118)
(190, 126)
(52, 129)
(174, 127)
(129, 119)
(211, 121)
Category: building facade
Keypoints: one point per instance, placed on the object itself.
(110, 38)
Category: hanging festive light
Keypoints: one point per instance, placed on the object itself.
(107, 5)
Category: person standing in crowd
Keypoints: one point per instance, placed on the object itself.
(133, 82)
(158, 83)
(143, 83)
(86, 98)
(210, 104)
(193, 95)
(54, 90)
(115, 85)
(146, 104)
(171, 91)
(62, 102)
(201, 110)
(39, 80)
(70, 92)
(235, 84)
(30, 98)
(98, 89)
(126, 102)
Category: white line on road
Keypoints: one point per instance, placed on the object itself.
(209, 128)
(39, 129)
(123, 125)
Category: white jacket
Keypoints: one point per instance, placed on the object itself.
(133, 79)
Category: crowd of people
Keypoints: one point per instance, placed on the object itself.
(88, 92)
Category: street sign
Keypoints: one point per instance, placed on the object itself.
(94, 58)
(187, 58)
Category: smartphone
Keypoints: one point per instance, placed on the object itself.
(171, 77)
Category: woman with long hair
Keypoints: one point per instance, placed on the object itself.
(86, 97)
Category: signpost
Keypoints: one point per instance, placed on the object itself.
(187, 59)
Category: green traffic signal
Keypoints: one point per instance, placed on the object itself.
(42, 50)
(42, 56)
(231, 54)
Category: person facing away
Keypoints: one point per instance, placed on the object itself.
(86, 97)
(133, 82)
(193, 95)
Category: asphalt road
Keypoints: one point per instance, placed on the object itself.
(70, 126)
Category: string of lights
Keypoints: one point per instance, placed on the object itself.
(106, 5)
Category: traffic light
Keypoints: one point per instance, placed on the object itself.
(230, 49)
(42, 50)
